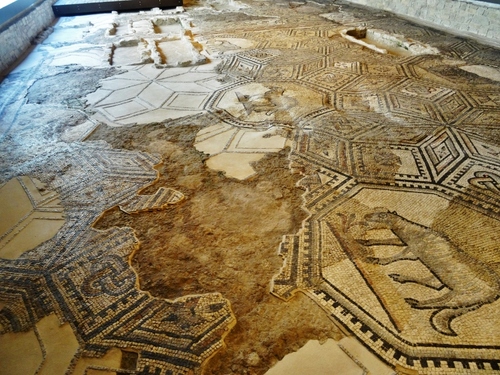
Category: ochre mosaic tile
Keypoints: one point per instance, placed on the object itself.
(86, 278)
(30, 216)
(397, 157)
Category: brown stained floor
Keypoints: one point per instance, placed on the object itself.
(237, 188)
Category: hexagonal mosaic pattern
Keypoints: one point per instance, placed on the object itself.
(397, 158)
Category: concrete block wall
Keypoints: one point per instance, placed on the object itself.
(17, 34)
(464, 17)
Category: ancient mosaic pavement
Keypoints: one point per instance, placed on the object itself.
(399, 163)
(83, 276)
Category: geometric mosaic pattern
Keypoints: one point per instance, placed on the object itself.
(377, 133)
(159, 200)
(400, 285)
(400, 164)
(379, 253)
(387, 167)
(146, 93)
(84, 275)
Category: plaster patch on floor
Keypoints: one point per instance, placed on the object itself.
(178, 53)
(483, 71)
(384, 43)
(47, 350)
(79, 132)
(59, 343)
(237, 166)
(345, 357)
(233, 150)
(51, 348)
(85, 56)
(225, 5)
(161, 39)
(21, 353)
(220, 46)
(29, 215)
(365, 359)
(111, 362)
(317, 358)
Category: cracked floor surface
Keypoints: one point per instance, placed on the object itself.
(236, 187)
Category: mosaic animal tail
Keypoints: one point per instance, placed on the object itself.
(471, 283)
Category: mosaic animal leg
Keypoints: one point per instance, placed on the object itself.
(428, 281)
(403, 255)
(447, 300)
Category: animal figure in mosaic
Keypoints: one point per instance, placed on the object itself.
(471, 283)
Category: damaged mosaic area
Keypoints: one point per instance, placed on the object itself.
(236, 185)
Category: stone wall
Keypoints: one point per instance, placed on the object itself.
(466, 17)
(17, 34)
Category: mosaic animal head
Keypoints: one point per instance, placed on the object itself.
(380, 219)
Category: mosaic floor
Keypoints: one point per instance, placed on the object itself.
(250, 187)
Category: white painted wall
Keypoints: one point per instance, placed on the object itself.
(464, 17)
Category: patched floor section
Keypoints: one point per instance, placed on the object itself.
(250, 188)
